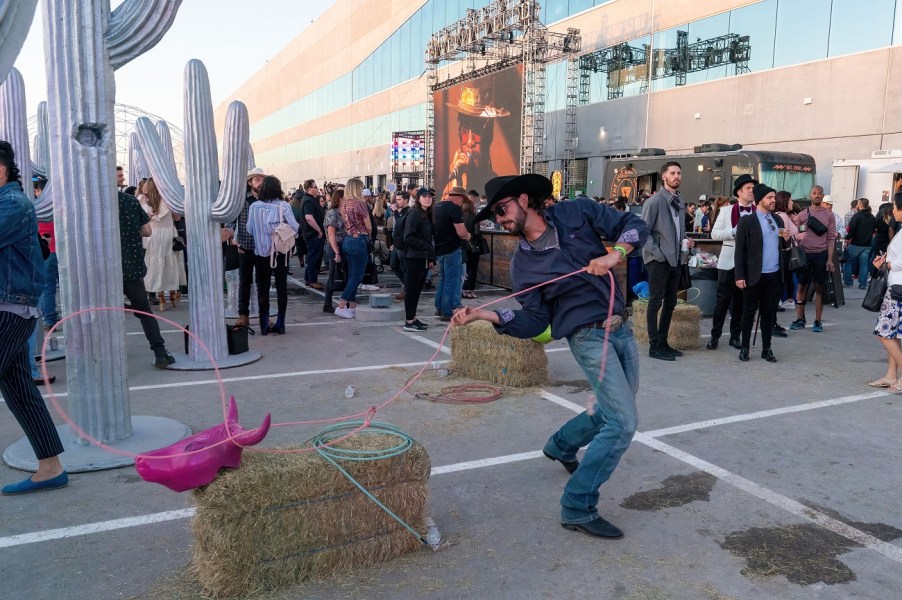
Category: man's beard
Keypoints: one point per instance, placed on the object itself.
(519, 222)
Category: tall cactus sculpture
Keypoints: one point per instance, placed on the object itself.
(85, 42)
(15, 22)
(14, 125)
(205, 202)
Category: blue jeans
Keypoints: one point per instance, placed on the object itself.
(450, 286)
(47, 302)
(355, 251)
(610, 430)
(857, 255)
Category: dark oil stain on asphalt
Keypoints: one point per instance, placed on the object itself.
(803, 553)
(676, 490)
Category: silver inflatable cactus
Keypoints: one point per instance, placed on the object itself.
(15, 22)
(85, 42)
(14, 125)
(204, 200)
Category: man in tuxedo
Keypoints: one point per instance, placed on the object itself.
(729, 299)
(758, 273)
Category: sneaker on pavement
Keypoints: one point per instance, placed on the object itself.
(368, 288)
(797, 324)
(817, 327)
(415, 326)
(345, 313)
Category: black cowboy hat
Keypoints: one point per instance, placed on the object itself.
(742, 180)
(499, 188)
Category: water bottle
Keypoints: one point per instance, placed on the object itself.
(439, 370)
(433, 535)
(349, 391)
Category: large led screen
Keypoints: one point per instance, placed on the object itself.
(477, 130)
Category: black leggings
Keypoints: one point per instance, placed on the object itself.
(416, 277)
(264, 274)
(472, 266)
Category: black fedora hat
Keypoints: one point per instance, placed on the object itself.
(742, 180)
(499, 188)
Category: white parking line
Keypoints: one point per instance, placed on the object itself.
(428, 342)
(800, 510)
(186, 513)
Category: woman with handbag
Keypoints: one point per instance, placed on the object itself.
(163, 249)
(473, 248)
(888, 328)
(335, 235)
(355, 248)
(266, 219)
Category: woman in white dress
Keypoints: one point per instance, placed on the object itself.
(165, 267)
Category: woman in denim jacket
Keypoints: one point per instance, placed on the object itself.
(21, 282)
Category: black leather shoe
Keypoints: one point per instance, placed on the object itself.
(768, 355)
(673, 351)
(712, 344)
(744, 354)
(660, 353)
(779, 332)
(734, 342)
(597, 527)
(570, 465)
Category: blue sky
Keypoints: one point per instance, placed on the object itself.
(234, 38)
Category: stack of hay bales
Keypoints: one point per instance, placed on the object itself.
(685, 327)
(478, 351)
(286, 518)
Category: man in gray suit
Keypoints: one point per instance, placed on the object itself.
(663, 213)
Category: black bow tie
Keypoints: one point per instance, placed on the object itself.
(746, 209)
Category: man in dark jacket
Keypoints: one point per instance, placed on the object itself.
(859, 237)
(313, 232)
(759, 275)
(555, 243)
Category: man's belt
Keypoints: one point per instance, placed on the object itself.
(616, 322)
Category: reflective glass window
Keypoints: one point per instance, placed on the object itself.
(803, 28)
(553, 11)
(708, 29)
(576, 6)
(758, 21)
(664, 41)
(855, 30)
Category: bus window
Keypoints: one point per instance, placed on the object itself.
(797, 183)
(717, 183)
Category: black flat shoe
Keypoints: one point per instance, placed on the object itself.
(673, 351)
(597, 527)
(744, 354)
(712, 344)
(735, 343)
(768, 355)
(660, 354)
(779, 333)
(570, 465)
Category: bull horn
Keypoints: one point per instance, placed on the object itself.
(254, 436)
(232, 416)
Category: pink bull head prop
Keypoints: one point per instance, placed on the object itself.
(196, 460)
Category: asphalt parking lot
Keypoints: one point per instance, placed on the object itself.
(747, 480)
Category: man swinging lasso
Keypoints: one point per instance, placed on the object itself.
(555, 242)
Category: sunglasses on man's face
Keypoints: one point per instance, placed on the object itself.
(500, 209)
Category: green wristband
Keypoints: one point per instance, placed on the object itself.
(621, 250)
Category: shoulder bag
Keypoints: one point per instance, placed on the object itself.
(873, 298)
(815, 225)
(797, 258)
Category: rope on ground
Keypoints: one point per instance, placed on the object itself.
(470, 393)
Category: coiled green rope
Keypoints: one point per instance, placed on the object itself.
(322, 439)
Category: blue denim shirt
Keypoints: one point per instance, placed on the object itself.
(578, 300)
(21, 262)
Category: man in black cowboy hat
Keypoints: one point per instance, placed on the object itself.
(729, 298)
(554, 242)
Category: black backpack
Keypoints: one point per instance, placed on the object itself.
(398, 233)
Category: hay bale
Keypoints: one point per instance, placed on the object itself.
(478, 351)
(285, 518)
(685, 327)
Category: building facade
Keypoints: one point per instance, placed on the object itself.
(817, 80)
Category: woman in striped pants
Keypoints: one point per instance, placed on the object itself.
(21, 282)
